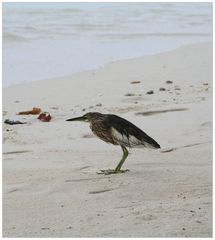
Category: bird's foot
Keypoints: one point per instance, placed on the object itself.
(112, 171)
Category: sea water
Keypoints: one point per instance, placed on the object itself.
(45, 40)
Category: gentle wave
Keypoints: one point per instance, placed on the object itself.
(106, 19)
(139, 35)
(9, 37)
(40, 11)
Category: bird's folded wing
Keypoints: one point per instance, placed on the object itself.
(124, 139)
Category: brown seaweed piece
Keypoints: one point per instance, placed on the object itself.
(33, 111)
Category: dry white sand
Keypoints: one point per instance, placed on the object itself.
(50, 185)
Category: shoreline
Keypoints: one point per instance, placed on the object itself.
(51, 188)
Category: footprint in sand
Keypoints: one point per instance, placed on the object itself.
(101, 191)
(147, 217)
(149, 113)
(13, 190)
(16, 152)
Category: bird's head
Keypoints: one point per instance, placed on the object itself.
(88, 117)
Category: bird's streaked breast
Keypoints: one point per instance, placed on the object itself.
(102, 132)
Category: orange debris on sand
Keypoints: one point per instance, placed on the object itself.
(33, 111)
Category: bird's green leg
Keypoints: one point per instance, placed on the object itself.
(118, 167)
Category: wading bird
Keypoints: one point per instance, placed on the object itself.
(118, 131)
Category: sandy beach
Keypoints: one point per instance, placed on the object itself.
(50, 185)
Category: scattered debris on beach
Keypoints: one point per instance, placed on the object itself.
(135, 82)
(150, 92)
(88, 135)
(169, 82)
(13, 122)
(98, 104)
(130, 94)
(34, 111)
(44, 117)
(177, 88)
(54, 108)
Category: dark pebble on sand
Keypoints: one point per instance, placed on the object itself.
(169, 82)
(129, 94)
(54, 108)
(162, 89)
(177, 88)
(99, 105)
(183, 229)
(134, 82)
(88, 135)
(150, 92)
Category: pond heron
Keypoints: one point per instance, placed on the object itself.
(118, 131)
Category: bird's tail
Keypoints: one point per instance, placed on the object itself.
(151, 143)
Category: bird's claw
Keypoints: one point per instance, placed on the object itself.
(112, 171)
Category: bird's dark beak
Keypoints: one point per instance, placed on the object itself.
(77, 119)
